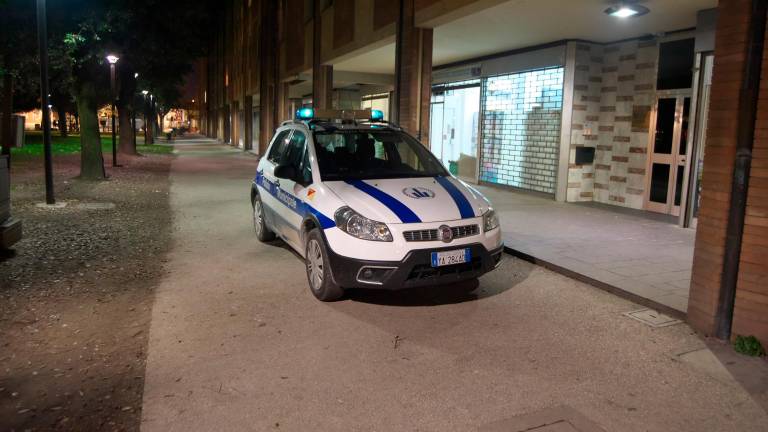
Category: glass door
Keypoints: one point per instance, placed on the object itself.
(668, 153)
(454, 129)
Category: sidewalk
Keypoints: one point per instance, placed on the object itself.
(643, 257)
(237, 341)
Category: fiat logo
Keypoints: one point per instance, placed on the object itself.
(418, 193)
(446, 234)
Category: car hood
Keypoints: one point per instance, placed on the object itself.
(411, 200)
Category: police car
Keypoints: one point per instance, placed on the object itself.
(367, 205)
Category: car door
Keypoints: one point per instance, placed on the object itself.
(291, 191)
(269, 182)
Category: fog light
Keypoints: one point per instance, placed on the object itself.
(374, 275)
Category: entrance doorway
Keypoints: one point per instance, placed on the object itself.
(668, 152)
(454, 127)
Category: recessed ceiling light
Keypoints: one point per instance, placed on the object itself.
(626, 11)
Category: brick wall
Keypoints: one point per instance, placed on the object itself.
(611, 84)
(521, 129)
(585, 119)
(751, 309)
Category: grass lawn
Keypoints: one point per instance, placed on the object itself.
(33, 145)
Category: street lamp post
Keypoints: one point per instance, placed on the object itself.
(133, 112)
(112, 59)
(42, 39)
(144, 114)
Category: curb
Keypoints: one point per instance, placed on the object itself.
(598, 284)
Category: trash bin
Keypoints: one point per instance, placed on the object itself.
(10, 228)
(453, 167)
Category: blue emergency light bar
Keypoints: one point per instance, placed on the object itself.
(312, 114)
(305, 114)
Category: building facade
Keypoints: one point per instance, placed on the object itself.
(646, 122)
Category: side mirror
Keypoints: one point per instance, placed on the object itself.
(287, 172)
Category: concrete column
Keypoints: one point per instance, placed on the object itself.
(268, 74)
(413, 74)
(322, 75)
(322, 86)
(248, 126)
(283, 103)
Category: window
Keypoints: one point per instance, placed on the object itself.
(294, 151)
(355, 154)
(676, 61)
(277, 146)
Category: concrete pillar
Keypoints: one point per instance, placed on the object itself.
(413, 74)
(283, 103)
(248, 126)
(322, 75)
(322, 86)
(268, 74)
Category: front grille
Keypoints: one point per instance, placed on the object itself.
(431, 234)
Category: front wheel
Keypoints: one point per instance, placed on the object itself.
(259, 224)
(318, 269)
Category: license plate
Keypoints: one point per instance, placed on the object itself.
(446, 258)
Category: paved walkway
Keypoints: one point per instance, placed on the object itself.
(618, 250)
(238, 342)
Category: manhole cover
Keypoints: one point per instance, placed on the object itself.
(653, 318)
(96, 206)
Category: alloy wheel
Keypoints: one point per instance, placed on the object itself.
(315, 264)
(258, 222)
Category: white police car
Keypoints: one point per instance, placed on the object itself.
(367, 205)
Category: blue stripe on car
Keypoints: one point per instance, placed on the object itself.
(465, 208)
(298, 206)
(399, 209)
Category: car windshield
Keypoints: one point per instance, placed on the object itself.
(371, 154)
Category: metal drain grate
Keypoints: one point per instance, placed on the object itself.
(652, 318)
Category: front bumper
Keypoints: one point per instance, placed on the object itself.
(414, 270)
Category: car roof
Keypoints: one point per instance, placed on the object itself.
(346, 125)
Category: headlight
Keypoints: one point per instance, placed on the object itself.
(361, 227)
(490, 220)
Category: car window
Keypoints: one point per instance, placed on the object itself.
(306, 169)
(356, 154)
(276, 151)
(294, 150)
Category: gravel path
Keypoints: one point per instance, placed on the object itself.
(76, 295)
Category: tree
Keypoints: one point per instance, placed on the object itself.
(160, 44)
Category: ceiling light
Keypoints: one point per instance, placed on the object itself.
(626, 11)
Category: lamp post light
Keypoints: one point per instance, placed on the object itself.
(42, 39)
(112, 59)
(133, 112)
(144, 114)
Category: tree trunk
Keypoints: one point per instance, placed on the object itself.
(62, 114)
(126, 144)
(149, 135)
(91, 158)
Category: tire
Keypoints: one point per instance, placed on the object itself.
(263, 233)
(318, 269)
